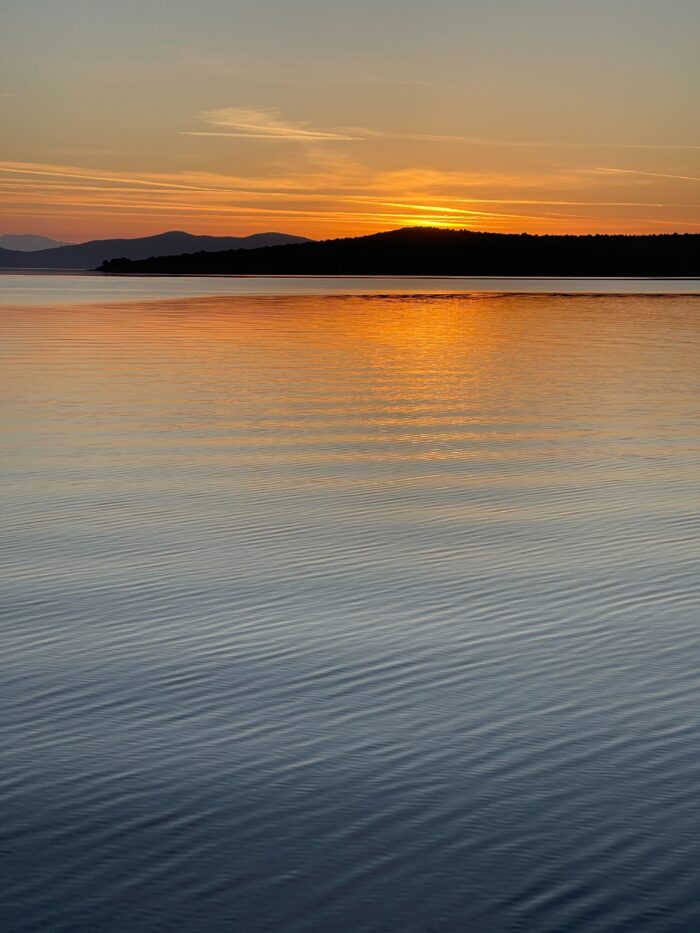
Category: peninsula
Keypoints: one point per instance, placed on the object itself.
(431, 251)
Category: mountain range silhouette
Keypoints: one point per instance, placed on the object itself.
(28, 242)
(83, 256)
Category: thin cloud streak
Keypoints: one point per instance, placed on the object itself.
(329, 194)
(268, 124)
(519, 143)
(277, 138)
(14, 168)
(247, 123)
(630, 171)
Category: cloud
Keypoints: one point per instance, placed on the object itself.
(518, 143)
(631, 171)
(249, 123)
(270, 125)
(332, 195)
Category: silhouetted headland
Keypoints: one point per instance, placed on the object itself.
(429, 251)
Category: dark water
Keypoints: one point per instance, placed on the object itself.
(351, 614)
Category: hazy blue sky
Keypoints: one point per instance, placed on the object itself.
(325, 117)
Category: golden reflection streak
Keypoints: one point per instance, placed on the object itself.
(412, 373)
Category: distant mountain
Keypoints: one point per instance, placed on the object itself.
(429, 251)
(89, 255)
(28, 242)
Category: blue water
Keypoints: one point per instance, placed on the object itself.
(80, 288)
(352, 613)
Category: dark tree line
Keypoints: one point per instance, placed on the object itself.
(426, 251)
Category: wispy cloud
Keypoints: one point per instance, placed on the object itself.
(249, 123)
(270, 124)
(332, 195)
(631, 171)
(495, 142)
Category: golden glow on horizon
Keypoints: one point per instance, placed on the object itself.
(337, 199)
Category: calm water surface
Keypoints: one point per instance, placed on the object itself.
(78, 288)
(351, 613)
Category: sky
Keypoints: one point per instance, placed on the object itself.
(334, 118)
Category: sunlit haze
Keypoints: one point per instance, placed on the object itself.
(327, 118)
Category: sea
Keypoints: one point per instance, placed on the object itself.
(350, 605)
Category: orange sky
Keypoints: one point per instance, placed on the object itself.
(330, 121)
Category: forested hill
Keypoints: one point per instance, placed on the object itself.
(429, 251)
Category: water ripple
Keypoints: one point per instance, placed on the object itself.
(352, 614)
